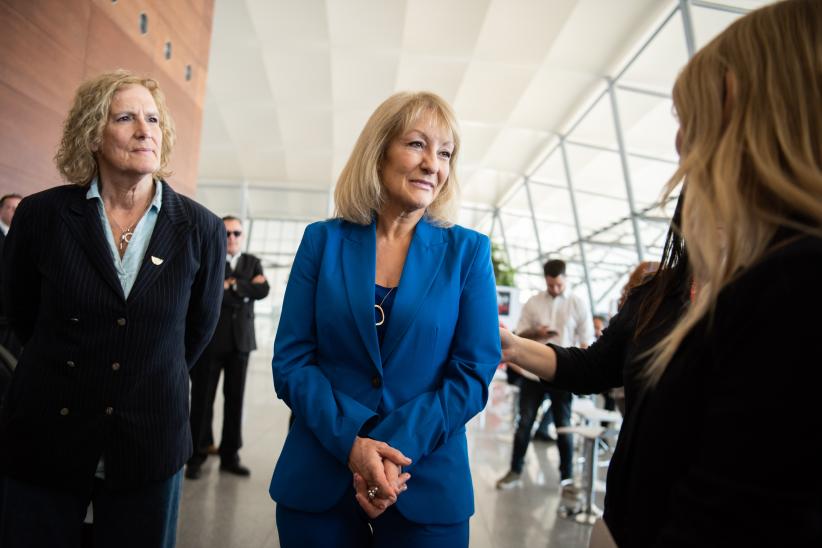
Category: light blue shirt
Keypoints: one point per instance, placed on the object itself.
(128, 266)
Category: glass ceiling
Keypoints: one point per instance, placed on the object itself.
(612, 162)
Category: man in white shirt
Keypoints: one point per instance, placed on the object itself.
(560, 317)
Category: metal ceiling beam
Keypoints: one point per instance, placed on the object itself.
(572, 196)
(615, 150)
(533, 215)
(720, 7)
(688, 27)
(644, 91)
(626, 170)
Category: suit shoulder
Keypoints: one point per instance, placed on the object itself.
(198, 212)
(57, 195)
(467, 237)
(326, 228)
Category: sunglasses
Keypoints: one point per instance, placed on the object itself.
(235, 233)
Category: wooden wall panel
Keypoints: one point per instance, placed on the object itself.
(48, 47)
(29, 134)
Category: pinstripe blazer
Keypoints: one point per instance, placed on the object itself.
(101, 374)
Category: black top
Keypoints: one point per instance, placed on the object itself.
(384, 297)
(725, 450)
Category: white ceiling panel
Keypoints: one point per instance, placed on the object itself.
(486, 186)
(250, 126)
(286, 24)
(476, 140)
(307, 166)
(299, 77)
(362, 79)
(429, 73)
(521, 31)
(444, 29)
(366, 25)
(514, 147)
(490, 91)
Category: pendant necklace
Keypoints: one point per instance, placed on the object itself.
(127, 233)
(379, 307)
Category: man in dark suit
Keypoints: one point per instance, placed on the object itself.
(8, 205)
(228, 351)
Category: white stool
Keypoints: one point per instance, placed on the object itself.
(591, 434)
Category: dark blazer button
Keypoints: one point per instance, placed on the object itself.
(74, 320)
(109, 410)
(115, 366)
(376, 381)
(64, 411)
(70, 363)
(121, 322)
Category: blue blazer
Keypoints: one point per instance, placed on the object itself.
(415, 393)
(101, 374)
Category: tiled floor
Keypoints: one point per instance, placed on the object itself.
(222, 511)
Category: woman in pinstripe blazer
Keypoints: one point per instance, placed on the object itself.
(113, 284)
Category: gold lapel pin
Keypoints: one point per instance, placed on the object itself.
(156, 260)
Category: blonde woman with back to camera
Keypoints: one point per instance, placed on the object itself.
(719, 445)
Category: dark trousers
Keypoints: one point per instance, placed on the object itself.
(205, 377)
(346, 526)
(143, 517)
(531, 395)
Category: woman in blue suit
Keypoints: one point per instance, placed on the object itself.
(387, 342)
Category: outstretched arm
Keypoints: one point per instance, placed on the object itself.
(539, 359)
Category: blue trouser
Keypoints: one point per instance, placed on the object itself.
(531, 395)
(347, 526)
(38, 517)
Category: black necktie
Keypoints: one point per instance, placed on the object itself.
(227, 269)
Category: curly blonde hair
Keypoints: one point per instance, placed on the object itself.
(83, 128)
(751, 154)
(359, 194)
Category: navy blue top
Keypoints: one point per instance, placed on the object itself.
(382, 295)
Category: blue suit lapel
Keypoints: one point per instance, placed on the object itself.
(358, 272)
(83, 220)
(169, 235)
(422, 264)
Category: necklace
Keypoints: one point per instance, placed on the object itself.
(127, 233)
(379, 307)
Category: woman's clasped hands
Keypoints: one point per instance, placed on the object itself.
(378, 475)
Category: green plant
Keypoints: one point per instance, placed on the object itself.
(503, 271)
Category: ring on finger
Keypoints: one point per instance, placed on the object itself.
(372, 492)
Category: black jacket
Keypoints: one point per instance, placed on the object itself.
(236, 327)
(724, 451)
(102, 375)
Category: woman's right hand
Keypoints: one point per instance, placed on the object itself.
(366, 459)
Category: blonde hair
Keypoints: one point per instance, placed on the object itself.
(83, 128)
(750, 109)
(359, 193)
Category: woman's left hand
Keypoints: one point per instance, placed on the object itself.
(373, 507)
